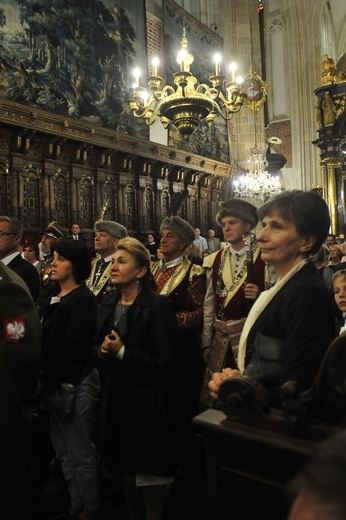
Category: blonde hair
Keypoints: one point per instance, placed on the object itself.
(339, 274)
(141, 256)
(338, 249)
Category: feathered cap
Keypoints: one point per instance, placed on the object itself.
(180, 227)
(237, 208)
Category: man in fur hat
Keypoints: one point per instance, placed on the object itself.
(183, 283)
(229, 290)
(107, 235)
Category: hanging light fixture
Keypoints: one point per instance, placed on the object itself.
(189, 103)
(257, 183)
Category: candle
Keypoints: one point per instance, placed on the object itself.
(136, 73)
(181, 59)
(155, 62)
(233, 68)
(217, 59)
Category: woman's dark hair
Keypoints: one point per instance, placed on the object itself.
(77, 253)
(305, 209)
(34, 247)
(141, 256)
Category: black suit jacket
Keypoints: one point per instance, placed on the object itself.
(81, 238)
(28, 273)
(301, 315)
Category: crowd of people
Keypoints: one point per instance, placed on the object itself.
(145, 335)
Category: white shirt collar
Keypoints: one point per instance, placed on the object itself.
(241, 252)
(172, 263)
(106, 259)
(10, 257)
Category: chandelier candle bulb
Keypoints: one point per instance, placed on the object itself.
(217, 60)
(233, 68)
(136, 74)
(155, 63)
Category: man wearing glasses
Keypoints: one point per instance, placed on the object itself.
(11, 232)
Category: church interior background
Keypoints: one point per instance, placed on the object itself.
(71, 151)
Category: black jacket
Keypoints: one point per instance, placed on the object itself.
(139, 412)
(301, 317)
(28, 273)
(68, 331)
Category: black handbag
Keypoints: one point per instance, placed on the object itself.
(266, 363)
(61, 399)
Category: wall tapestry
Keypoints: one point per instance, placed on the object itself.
(203, 44)
(73, 57)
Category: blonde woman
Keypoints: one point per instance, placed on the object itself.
(136, 337)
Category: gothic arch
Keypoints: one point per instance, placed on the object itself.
(86, 201)
(31, 193)
(149, 199)
(130, 207)
(60, 191)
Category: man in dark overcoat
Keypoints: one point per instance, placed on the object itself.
(20, 345)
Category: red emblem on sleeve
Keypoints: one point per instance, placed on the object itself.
(15, 329)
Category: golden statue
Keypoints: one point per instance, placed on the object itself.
(328, 70)
(328, 110)
(319, 117)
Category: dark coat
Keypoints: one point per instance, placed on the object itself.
(301, 316)
(20, 345)
(81, 238)
(68, 331)
(28, 273)
(138, 408)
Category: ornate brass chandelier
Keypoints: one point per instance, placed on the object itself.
(257, 183)
(189, 103)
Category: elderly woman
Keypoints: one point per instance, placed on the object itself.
(69, 324)
(136, 334)
(291, 325)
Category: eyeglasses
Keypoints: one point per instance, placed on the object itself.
(4, 234)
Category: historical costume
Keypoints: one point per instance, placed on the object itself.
(107, 235)
(183, 283)
(225, 306)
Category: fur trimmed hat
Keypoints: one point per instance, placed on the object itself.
(54, 230)
(180, 227)
(237, 208)
(112, 228)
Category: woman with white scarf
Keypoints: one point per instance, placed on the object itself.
(291, 325)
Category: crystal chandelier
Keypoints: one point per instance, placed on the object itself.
(189, 102)
(257, 183)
